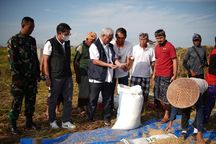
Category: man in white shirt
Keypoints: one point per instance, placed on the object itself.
(100, 71)
(144, 58)
(57, 58)
(123, 50)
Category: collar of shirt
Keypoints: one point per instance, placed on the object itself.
(103, 43)
(60, 42)
(146, 48)
(197, 47)
(22, 35)
(63, 44)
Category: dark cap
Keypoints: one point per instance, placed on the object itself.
(196, 36)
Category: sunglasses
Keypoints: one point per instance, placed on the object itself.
(120, 37)
(196, 40)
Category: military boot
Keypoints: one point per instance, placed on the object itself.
(30, 124)
(13, 124)
(14, 129)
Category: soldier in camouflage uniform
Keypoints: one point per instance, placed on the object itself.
(25, 73)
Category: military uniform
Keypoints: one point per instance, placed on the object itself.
(25, 71)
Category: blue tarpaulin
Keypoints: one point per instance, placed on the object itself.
(108, 135)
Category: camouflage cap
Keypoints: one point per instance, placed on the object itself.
(91, 35)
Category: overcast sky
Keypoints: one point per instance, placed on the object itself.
(179, 18)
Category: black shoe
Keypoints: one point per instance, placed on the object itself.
(89, 118)
(32, 126)
(107, 123)
(13, 127)
(15, 131)
(183, 135)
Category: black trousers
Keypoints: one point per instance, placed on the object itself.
(198, 122)
(61, 87)
(106, 90)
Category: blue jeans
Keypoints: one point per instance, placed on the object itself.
(210, 102)
(199, 118)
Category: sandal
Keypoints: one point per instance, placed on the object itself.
(82, 113)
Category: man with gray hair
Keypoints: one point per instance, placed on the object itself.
(101, 65)
(143, 65)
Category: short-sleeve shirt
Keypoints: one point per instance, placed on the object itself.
(211, 78)
(47, 50)
(164, 56)
(142, 61)
(122, 53)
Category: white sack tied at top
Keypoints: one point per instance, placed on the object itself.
(130, 107)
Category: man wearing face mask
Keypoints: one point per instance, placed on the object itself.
(56, 55)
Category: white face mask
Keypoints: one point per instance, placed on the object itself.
(66, 38)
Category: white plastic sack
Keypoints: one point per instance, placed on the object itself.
(130, 106)
(148, 140)
(203, 85)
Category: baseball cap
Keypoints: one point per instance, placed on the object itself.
(196, 37)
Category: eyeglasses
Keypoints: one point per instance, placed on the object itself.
(196, 40)
(67, 34)
(110, 37)
(143, 38)
(118, 37)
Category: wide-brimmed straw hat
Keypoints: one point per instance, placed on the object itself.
(183, 93)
